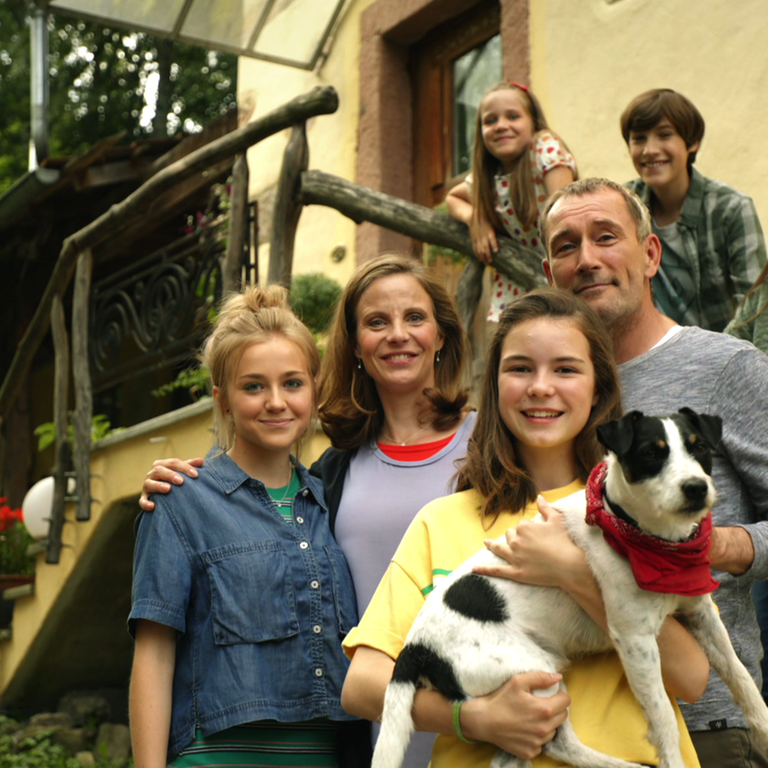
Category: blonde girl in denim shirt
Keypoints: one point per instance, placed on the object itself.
(241, 596)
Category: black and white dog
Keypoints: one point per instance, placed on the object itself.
(652, 494)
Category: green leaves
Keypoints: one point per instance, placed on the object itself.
(103, 81)
(46, 433)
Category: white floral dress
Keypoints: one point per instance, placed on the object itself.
(546, 152)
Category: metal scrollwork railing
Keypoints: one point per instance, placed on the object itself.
(152, 313)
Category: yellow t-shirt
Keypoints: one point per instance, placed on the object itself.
(604, 711)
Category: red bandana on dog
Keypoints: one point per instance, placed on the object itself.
(679, 568)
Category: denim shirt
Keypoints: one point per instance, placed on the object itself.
(260, 606)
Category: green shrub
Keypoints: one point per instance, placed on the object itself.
(194, 379)
(39, 752)
(313, 299)
(46, 433)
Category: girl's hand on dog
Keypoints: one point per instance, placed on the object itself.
(517, 717)
(538, 552)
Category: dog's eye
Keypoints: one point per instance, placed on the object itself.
(698, 448)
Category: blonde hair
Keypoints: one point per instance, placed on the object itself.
(251, 317)
(350, 408)
(485, 166)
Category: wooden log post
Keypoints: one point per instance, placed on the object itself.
(236, 256)
(81, 370)
(288, 207)
(523, 265)
(469, 291)
(63, 460)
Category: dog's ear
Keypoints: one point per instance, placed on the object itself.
(710, 427)
(617, 435)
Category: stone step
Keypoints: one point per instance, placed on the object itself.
(14, 593)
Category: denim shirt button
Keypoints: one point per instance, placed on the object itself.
(304, 545)
(318, 672)
(304, 493)
(317, 629)
(299, 520)
(315, 584)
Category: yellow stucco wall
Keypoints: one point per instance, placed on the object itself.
(332, 141)
(592, 57)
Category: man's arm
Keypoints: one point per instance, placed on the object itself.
(732, 550)
(740, 396)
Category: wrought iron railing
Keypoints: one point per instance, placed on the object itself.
(152, 313)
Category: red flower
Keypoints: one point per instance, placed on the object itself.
(9, 516)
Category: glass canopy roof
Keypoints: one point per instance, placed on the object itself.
(291, 32)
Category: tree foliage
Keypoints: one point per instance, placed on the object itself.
(103, 81)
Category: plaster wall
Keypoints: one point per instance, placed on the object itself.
(332, 141)
(591, 58)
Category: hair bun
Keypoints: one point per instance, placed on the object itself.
(254, 299)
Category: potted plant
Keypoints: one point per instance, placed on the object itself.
(16, 566)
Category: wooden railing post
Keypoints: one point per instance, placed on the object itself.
(469, 291)
(288, 207)
(63, 451)
(236, 256)
(83, 389)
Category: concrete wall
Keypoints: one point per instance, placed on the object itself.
(332, 141)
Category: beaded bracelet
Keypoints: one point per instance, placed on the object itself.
(457, 723)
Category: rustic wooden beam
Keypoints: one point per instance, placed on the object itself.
(81, 370)
(320, 100)
(235, 257)
(523, 265)
(287, 207)
(63, 459)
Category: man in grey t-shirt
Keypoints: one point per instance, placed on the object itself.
(601, 247)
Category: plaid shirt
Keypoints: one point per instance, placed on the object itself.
(723, 246)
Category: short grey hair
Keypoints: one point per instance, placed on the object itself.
(637, 208)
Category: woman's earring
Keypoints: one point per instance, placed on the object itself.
(437, 356)
(359, 364)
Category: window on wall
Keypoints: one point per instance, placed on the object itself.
(473, 73)
(452, 68)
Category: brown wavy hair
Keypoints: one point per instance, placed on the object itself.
(251, 317)
(492, 465)
(485, 166)
(350, 409)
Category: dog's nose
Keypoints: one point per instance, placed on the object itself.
(695, 490)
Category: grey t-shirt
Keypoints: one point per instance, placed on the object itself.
(717, 374)
(381, 497)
